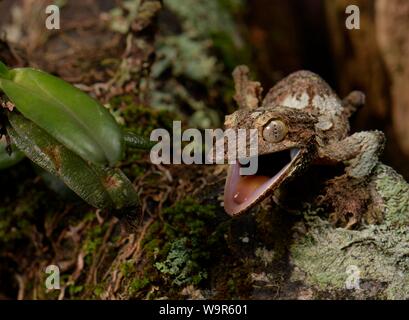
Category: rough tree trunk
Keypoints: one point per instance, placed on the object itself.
(186, 246)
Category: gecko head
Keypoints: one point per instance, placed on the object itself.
(285, 146)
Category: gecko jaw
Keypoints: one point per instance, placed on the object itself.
(243, 192)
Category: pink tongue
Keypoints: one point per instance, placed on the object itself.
(246, 186)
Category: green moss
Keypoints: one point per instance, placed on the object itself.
(75, 290)
(93, 241)
(137, 285)
(180, 264)
(127, 268)
(151, 249)
(98, 291)
(180, 246)
(142, 120)
(176, 251)
(89, 216)
(231, 286)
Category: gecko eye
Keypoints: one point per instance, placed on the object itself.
(275, 131)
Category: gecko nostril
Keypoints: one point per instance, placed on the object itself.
(275, 131)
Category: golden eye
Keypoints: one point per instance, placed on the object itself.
(275, 131)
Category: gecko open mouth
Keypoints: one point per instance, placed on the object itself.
(242, 192)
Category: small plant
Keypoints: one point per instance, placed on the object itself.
(67, 133)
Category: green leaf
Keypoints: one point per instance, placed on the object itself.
(6, 160)
(66, 113)
(55, 184)
(104, 188)
(4, 71)
(135, 141)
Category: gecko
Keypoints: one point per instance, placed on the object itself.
(300, 122)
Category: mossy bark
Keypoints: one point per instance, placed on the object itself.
(377, 253)
(185, 246)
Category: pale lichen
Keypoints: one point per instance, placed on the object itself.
(322, 256)
(395, 194)
(200, 51)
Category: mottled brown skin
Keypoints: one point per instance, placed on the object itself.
(301, 132)
(317, 122)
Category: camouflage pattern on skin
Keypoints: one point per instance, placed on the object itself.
(317, 124)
